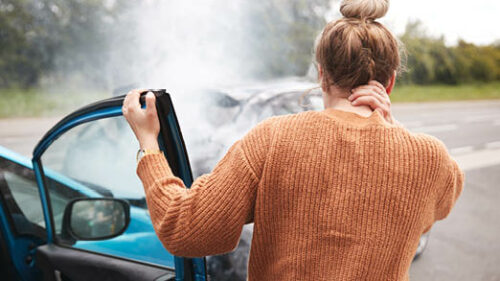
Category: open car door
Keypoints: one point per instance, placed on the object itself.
(22, 226)
(85, 168)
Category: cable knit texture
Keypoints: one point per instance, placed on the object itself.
(333, 195)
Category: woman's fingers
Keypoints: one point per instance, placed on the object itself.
(376, 105)
(372, 102)
(131, 103)
(134, 99)
(375, 96)
(370, 93)
(144, 123)
(150, 104)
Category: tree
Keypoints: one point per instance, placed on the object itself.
(21, 60)
(284, 32)
(42, 36)
(431, 61)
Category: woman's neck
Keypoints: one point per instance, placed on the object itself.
(337, 99)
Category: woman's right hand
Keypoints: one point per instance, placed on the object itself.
(143, 122)
(375, 96)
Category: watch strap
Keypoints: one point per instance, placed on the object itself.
(143, 152)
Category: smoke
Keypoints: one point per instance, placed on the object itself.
(202, 51)
(188, 45)
(180, 46)
(198, 51)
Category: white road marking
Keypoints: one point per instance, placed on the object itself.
(492, 145)
(435, 129)
(496, 123)
(478, 159)
(461, 150)
(413, 124)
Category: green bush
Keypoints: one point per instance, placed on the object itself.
(430, 61)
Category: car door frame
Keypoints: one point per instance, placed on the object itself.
(21, 247)
(175, 152)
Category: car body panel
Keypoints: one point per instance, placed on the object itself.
(15, 157)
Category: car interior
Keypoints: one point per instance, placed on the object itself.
(6, 265)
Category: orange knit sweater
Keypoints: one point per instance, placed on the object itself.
(333, 195)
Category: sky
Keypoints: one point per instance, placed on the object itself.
(475, 21)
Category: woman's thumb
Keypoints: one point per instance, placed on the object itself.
(150, 102)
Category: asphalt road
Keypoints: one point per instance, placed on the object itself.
(466, 245)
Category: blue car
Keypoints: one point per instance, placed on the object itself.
(77, 211)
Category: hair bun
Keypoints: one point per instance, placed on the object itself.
(364, 9)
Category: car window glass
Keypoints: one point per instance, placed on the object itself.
(99, 154)
(21, 197)
(61, 193)
(97, 159)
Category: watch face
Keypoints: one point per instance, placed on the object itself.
(140, 154)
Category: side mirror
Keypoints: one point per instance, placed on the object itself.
(95, 218)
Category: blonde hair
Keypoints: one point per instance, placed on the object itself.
(356, 49)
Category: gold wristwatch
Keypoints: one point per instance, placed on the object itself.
(143, 152)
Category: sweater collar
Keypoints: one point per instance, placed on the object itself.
(354, 118)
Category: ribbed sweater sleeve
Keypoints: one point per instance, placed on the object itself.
(206, 219)
(449, 184)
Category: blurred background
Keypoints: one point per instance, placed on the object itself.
(58, 55)
(58, 52)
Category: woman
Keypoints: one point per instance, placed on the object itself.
(341, 194)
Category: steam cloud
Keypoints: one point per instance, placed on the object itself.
(181, 46)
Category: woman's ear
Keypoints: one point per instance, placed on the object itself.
(320, 79)
(392, 82)
(320, 73)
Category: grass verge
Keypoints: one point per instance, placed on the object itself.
(414, 93)
(36, 102)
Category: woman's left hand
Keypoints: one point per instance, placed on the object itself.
(375, 96)
(144, 122)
